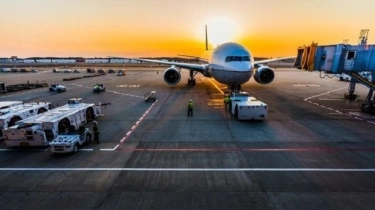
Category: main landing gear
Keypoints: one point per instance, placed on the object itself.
(191, 80)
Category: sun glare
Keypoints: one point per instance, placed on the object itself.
(221, 30)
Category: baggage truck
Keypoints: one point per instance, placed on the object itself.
(41, 129)
(9, 116)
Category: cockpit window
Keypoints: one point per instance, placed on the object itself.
(237, 58)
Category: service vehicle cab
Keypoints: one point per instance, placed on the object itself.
(98, 88)
(150, 96)
(245, 107)
(57, 88)
(69, 142)
(121, 72)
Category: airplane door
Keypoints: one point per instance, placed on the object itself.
(349, 60)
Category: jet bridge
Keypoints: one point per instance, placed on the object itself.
(358, 61)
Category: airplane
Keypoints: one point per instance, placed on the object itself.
(230, 63)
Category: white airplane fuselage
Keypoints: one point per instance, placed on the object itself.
(231, 64)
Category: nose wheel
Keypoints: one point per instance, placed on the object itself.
(235, 88)
(191, 80)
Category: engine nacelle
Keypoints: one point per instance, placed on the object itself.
(172, 76)
(264, 75)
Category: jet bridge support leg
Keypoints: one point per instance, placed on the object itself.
(191, 80)
(369, 105)
(350, 94)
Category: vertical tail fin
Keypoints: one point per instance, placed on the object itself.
(206, 38)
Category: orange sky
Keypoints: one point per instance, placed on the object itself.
(100, 28)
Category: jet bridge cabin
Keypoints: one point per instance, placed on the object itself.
(358, 61)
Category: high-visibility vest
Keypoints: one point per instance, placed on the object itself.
(191, 104)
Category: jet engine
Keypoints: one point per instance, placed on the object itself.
(264, 75)
(172, 75)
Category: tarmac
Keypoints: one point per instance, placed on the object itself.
(315, 150)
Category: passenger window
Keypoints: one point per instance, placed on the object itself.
(351, 55)
(245, 58)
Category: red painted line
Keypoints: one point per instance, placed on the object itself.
(251, 150)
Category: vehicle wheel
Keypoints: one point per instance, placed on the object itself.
(59, 90)
(88, 137)
(75, 148)
(51, 89)
(236, 113)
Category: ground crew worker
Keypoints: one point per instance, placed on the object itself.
(190, 108)
(96, 133)
(226, 101)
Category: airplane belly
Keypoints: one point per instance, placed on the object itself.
(231, 77)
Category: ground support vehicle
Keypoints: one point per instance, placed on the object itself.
(40, 129)
(150, 96)
(90, 70)
(9, 116)
(98, 88)
(121, 72)
(245, 107)
(57, 88)
(70, 141)
(8, 104)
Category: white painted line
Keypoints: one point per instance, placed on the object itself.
(22, 149)
(199, 169)
(123, 139)
(86, 150)
(140, 119)
(114, 148)
(137, 122)
(106, 149)
(351, 115)
(128, 133)
(133, 127)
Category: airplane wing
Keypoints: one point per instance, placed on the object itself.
(195, 57)
(272, 60)
(195, 67)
